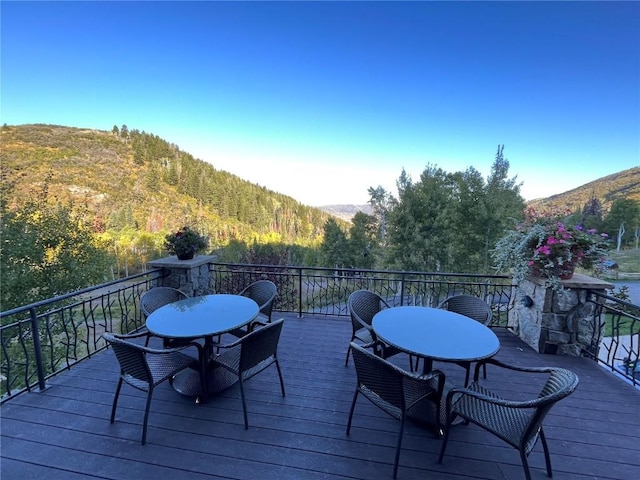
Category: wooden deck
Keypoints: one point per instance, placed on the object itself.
(64, 432)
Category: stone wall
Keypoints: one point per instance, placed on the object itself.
(561, 321)
(193, 277)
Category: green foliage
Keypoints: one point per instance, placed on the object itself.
(420, 235)
(333, 251)
(364, 241)
(136, 184)
(443, 222)
(623, 221)
(46, 249)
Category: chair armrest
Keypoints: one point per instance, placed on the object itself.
(130, 336)
(428, 376)
(254, 323)
(492, 399)
(165, 351)
(230, 345)
(237, 342)
(518, 368)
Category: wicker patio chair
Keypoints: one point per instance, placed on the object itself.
(157, 297)
(263, 292)
(144, 368)
(518, 423)
(395, 391)
(472, 307)
(250, 355)
(363, 306)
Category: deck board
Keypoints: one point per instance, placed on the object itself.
(64, 432)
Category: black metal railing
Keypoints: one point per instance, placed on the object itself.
(39, 340)
(324, 291)
(44, 338)
(615, 337)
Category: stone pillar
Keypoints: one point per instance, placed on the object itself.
(562, 321)
(193, 276)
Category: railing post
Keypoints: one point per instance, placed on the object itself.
(37, 348)
(402, 289)
(299, 291)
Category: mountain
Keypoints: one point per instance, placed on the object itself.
(625, 184)
(127, 179)
(346, 212)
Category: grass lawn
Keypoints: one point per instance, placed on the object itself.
(627, 327)
(628, 262)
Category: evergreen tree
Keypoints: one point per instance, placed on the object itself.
(363, 241)
(333, 249)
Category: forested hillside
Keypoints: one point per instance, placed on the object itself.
(623, 185)
(100, 204)
(133, 180)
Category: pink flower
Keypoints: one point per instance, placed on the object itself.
(544, 250)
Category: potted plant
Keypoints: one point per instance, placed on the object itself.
(547, 247)
(185, 243)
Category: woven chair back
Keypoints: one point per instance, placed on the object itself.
(378, 376)
(158, 297)
(263, 292)
(469, 306)
(364, 304)
(131, 358)
(260, 345)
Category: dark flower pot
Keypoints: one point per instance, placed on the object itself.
(185, 256)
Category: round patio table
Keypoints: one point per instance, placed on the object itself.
(202, 317)
(435, 334)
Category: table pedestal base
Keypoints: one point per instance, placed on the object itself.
(424, 412)
(188, 383)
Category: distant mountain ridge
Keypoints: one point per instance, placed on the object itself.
(142, 181)
(624, 184)
(346, 212)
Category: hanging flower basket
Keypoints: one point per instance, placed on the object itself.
(546, 247)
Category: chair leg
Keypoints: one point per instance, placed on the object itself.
(445, 439)
(244, 403)
(115, 400)
(146, 416)
(547, 457)
(280, 375)
(353, 406)
(346, 360)
(525, 464)
(451, 416)
(398, 446)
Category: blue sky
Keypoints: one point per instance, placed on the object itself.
(322, 100)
